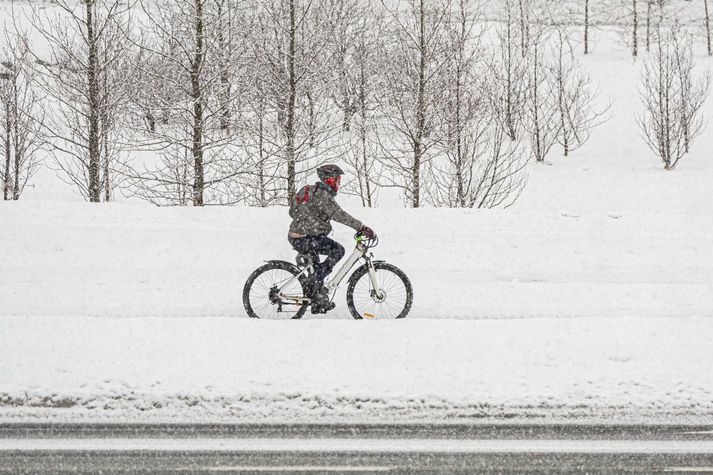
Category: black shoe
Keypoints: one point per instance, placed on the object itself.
(323, 310)
(320, 301)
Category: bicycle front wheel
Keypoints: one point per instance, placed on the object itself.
(264, 290)
(392, 298)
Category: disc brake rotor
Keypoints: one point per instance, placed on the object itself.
(378, 296)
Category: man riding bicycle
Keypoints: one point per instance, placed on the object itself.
(312, 209)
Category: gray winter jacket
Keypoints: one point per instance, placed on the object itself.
(312, 209)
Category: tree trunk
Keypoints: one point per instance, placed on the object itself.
(8, 151)
(648, 25)
(708, 29)
(460, 191)
(224, 47)
(197, 95)
(560, 98)
(346, 103)
(420, 113)
(539, 156)
(261, 152)
(509, 113)
(635, 34)
(105, 126)
(292, 97)
(524, 28)
(586, 26)
(363, 130)
(18, 141)
(460, 185)
(107, 183)
(93, 83)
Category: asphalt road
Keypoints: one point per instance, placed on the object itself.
(320, 448)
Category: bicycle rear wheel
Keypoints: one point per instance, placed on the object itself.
(392, 299)
(260, 294)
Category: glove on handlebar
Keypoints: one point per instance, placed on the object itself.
(367, 232)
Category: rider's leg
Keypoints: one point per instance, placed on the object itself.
(304, 246)
(334, 252)
(315, 245)
(332, 249)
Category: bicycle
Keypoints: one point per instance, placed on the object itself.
(375, 290)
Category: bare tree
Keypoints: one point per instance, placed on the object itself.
(292, 47)
(188, 64)
(413, 90)
(692, 95)
(653, 25)
(346, 34)
(542, 112)
(672, 99)
(361, 69)
(22, 117)
(81, 77)
(260, 146)
(575, 96)
(507, 71)
(479, 165)
(625, 17)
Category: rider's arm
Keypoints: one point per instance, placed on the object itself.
(335, 212)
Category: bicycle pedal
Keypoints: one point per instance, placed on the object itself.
(323, 310)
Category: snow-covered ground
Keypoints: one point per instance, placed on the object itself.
(228, 369)
(542, 311)
(131, 312)
(591, 298)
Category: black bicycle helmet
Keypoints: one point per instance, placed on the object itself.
(326, 171)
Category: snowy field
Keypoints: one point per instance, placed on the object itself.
(132, 312)
(571, 309)
(591, 299)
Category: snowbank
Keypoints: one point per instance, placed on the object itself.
(229, 369)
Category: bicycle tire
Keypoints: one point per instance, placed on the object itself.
(272, 265)
(379, 266)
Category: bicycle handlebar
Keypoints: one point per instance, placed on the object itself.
(366, 242)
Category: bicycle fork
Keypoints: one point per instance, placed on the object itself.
(376, 291)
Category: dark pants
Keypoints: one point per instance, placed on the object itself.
(316, 245)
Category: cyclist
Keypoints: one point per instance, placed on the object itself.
(312, 209)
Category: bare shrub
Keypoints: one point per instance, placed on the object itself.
(672, 99)
(22, 117)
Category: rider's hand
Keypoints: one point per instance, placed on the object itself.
(367, 232)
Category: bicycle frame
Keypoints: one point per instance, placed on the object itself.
(360, 251)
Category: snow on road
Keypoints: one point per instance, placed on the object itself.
(371, 446)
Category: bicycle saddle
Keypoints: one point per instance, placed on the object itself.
(303, 260)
